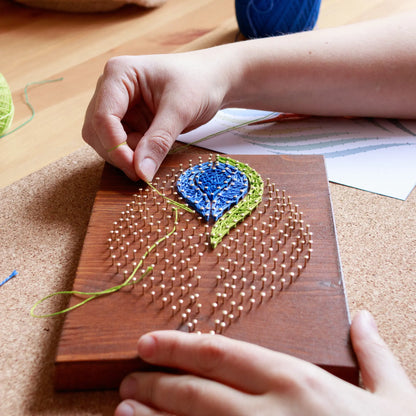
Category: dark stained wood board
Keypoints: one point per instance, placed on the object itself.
(307, 318)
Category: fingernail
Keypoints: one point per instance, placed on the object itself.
(148, 168)
(124, 409)
(369, 321)
(128, 387)
(146, 346)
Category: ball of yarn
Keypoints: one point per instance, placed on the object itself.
(6, 106)
(262, 18)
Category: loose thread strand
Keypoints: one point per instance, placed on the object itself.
(94, 295)
(171, 201)
(13, 274)
(210, 136)
(47, 81)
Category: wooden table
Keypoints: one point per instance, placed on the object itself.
(38, 45)
(37, 167)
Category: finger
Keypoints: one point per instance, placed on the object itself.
(243, 366)
(103, 128)
(133, 408)
(157, 141)
(183, 394)
(120, 156)
(112, 138)
(123, 157)
(138, 118)
(381, 372)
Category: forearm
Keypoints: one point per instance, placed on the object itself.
(366, 69)
(142, 103)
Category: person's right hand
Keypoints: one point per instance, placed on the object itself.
(142, 103)
(225, 377)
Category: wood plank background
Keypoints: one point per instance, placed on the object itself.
(38, 45)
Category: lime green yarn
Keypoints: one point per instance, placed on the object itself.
(245, 207)
(3, 128)
(6, 106)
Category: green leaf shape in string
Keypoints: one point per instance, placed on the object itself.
(247, 205)
(129, 281)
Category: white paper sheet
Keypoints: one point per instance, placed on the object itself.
(375, 155)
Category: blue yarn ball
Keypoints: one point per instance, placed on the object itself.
(262, 18)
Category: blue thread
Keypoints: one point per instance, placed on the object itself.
(212, 188)
(14, 273)
(263, 18)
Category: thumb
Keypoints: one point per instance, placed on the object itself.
(380, 370)
(157, 141)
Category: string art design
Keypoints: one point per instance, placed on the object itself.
(248, 232)
(250, 275)
(212, 188)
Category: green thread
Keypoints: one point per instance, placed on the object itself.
(237, 213)
(218, 231)
(171, 201)
(6, 106)
(94, 295)
(29, 104)
(115, 147)
(210, 136)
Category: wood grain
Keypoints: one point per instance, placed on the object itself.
(38, 44)
(307, 319)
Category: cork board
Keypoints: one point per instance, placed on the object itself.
(305, 315)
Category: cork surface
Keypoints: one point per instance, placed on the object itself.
(44, 218)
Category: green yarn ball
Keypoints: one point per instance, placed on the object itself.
(6, 106)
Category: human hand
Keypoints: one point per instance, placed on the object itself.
(142, 103)
(228, 377)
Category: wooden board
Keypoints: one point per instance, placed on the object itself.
(305, 315)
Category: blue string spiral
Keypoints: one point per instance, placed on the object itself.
(262, 18)
(212, 188)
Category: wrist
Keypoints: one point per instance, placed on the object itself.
(252, 73)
